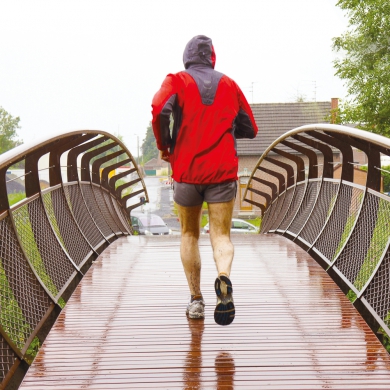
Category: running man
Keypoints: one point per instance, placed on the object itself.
(210, 112)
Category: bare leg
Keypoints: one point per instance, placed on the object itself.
(189, 249)
(220, 215)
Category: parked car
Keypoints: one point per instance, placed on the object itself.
(238, 226)
(149, 224)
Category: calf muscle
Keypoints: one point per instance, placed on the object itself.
(220, 216)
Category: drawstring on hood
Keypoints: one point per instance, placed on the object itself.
(199, 50)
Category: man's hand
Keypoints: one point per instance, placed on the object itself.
(165, 155)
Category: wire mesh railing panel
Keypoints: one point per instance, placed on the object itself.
(306, 208)
(105, 209)
(295, 204)
(122, 214)
(344, 223)
(7, 359)
(82, 216)
(367, 242)
(276, 206)
(377, 293)
(286, 198)
(97, 191)
(266, 219)
(42, 247)
(93, 208)
(23, 300)
(47, 236)
(112, 211)
(321, 211)
(340, 222)
(60, 216)
(270, 215)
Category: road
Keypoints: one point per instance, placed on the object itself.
(161, 202)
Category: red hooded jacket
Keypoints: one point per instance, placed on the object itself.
(209, 111)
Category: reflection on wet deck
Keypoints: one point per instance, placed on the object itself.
(125, 326)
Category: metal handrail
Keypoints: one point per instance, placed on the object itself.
(341, 224)
(49, 239)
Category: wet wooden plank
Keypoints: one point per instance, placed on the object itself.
(125, 326)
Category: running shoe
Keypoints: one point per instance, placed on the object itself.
(195, 309)
(224, 311)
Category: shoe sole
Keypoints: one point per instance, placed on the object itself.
(225, 311)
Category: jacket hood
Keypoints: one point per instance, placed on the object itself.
(199, 50)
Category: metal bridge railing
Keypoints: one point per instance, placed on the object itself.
(50, 238)
(345, 226)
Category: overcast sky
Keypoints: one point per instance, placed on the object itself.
(96, 64)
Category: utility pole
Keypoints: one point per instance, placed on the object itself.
(252, 88)
(137, 148)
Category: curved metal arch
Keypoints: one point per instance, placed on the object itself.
(267, 197)
(86, 174)
(326, 151)
(349, 219)
(311, 155)
(345, 150)
(272, 186)
(47, 221)
(373, 156)
(55, 176)
(288, 168)
(76, 151)
(115, 178)
(104, 180)
(315, 132)
(279, 177)
(100, 161)
(297, 160)
(31, 163)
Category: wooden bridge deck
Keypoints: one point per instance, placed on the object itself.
(125, 326)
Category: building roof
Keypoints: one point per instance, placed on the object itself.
(275, 119)
(155, 163)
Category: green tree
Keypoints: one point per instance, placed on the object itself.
(300, 98)
(385, 175)
(386, 178)
(8, 127)
(365, 64)
(149, 147)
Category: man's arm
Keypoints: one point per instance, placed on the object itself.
(162, 106)
(245, 125)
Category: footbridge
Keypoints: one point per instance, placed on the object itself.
(87, 304)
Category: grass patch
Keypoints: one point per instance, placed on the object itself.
(11, 315)
(347, 230)
(256, 222)
(16, 197)
(48, 202)
(378, 243)
(23, 226)
(32, 350)
(351, 296)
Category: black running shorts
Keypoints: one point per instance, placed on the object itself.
(187, 195)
